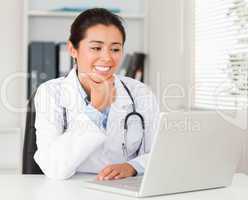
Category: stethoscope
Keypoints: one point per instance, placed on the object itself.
(133, 113)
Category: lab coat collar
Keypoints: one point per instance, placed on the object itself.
(80, 89)
(71, 97)
(123, 100)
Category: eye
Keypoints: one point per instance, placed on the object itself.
(96, 48)
(115, 50)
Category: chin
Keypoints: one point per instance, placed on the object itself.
(100, 78)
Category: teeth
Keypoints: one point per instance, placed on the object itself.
(102, 68)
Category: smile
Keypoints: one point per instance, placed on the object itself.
(102, 68)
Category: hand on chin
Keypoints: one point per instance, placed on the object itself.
(98, 78)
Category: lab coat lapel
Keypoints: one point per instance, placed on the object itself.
(71, 98)
(118, 109)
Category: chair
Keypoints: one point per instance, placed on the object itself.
(29, 166)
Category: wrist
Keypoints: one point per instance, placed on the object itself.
(133, 171)
(96, 106)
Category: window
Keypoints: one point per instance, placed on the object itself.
(221, 54)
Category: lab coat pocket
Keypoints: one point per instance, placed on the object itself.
(132, 149)
(134, 136)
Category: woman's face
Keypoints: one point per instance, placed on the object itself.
(100, 52)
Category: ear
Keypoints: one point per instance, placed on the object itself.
(72, 51)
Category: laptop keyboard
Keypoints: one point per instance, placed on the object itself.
(130, 183)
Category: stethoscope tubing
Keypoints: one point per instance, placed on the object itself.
(133, 113)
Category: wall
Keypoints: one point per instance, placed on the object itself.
(11, 88)
(170, 50)
(10, 62)
(170, 59)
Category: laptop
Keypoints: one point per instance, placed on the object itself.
(191, 151)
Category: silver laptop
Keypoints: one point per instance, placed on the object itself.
(191, 151)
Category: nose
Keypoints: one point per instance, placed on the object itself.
(106, 55)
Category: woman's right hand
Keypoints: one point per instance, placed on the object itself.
(102, 94)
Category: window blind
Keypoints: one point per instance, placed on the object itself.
(221, 54)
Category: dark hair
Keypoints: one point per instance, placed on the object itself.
(93, 17)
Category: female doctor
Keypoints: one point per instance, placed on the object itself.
(93, 120)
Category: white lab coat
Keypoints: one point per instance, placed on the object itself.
(84, 147)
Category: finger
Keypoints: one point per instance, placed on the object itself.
(113, 95)
(119, 176)
(113, 91)
(105, 172)
(102, 171)
(111, 80)
(112, 175)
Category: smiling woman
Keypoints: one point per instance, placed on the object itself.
(96, 44)
(83, 121)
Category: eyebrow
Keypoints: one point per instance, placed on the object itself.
(101, 42)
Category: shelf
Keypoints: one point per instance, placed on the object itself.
(40, 13)
(9, 171)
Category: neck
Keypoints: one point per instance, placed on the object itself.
(84, 83)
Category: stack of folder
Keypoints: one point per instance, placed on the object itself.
(133, 66)
(46, 60)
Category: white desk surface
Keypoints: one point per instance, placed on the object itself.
(38, 187)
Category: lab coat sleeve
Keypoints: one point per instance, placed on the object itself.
(60, 154)
(152, 123)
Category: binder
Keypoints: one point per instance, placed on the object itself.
(136, 68)
(125, 64)
(34, 66)
(42, 65)
(49, 62)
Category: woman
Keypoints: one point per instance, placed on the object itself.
(80, 118)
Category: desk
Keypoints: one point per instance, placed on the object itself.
(38, 187)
